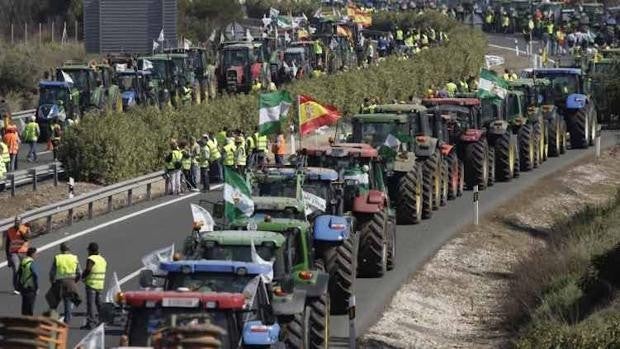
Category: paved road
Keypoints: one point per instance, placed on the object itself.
(43, 156)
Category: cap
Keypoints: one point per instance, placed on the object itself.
(205, 135)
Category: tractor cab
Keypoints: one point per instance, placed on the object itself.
(567, 84)
(54, 98)
(239, 65)
(83, 77)
(463, 116)
(162, 78)
(134, 86)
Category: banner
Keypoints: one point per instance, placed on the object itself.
(95, 339)
(151, 261)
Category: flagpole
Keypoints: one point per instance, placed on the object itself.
(299, 119)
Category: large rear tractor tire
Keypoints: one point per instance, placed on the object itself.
(540, 144)
(563, 142)
(409, 197)
(373, 248)
(318, 310)
(526, 148)
(505, 157)
(391, 257)
(593, 126)
(491, 167)
(477, 164)
(580, 129)
(461, 188)
(431, 184)
(453, 175)
(295, 331)
(341, 264)
(554, 134)
(445, 181)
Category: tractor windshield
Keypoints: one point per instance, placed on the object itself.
(51, 95)
(126, 82)
(282, 187)
(374, 134)
(563, 85)
(159, 69)
(319, 188)
(208, 282)
(234, 57)
(287, 213)
(144, 322)
(79, 77)
(243, 253)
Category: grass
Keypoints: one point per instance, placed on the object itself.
(564, 295)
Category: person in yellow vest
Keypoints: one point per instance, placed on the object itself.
(64, 275)
(56, 133)
(506, 75)
(505, 22)
(409, 43)
(28, 281)
(488, 21)
(513, 76)
(317, 48)
(203, 161)
(186, 166)
(240, 154)
(30, 135)
(256, 85)
(399, 36)
(463, 86)
(250, 148)
(261, 148)
(220, 137)
(216, 172)
(173, 169)
(229, 153)
(451, 88)
(4, 156)
(94, 282)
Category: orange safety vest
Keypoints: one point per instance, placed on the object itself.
(281, 148)
(11, 139)
(17, 243)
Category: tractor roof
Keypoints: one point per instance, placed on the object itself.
(469, 102)
(400, 108)
(244, 237)
(341, 150)
(381, 118)
(213, 300)
(529, 82)
(277, 171)
(321, 173)
(214, 266)
(554, 71)
(274, 202)
(450, 108)
(46, 83)
(157, 57)
(240, 45)
(278, 225)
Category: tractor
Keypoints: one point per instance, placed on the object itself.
(570, 94)
(162, 81)
(240, 65)
(150, 312)
(602, 74)
(134, 86)
(203, 73)
(95, 84)
(185, 75)
(365, 198)
(465, 127)
(54, 98)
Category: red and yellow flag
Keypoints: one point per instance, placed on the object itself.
(358, 15)
(313, 115)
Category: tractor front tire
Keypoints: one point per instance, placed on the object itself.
(341, 264)
(555, 137)
(318, 313)
(477, 164)
(491, 167)
(295, 331)
(445, 181)
(505, 157)
(453, 175)
(391, 257)
(409, 197)
(526, 148)
(373, 248)
(430, 187)
(580, 129)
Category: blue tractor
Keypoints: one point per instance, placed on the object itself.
(570, 92)
(58, 100)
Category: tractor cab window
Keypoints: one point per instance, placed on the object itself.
(319, 188)
(236, 57)
(159, 71)
(564, 85)
(243, 253)
(80, 78)
(126, 82)
(374, 134)
(296, 57)
(282, 187)
(513, 107)
(52, 95)
(295, 244)
(207, 282)
(421, 125)
(287, 213)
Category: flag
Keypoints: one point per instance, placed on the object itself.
(284, 22)
(151, 261)
(155, 45)
(491, 85)
(110, 295)
(237, 196)
(64, 34)
(161, 37)
(343, 31)
(266, 20)
(222, 37)
(392, 143)
(187, 44)
(313, 203)
(313, 115)
(256, 258)
(95, 339)
(318, 13)
(146, 64)
(66, 77)
(492, 61)
(274, 108)
(248, 36)
(273, 12)
(212, 36)
(357, 15)
(202, 216)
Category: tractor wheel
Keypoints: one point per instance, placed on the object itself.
(505, 157)
(453, 175)
(461, 187)
(536, 146)
(477, 164)
(295, 330)
(373, 248)
(341, 264)
(517, 164)
(444, 182)
(555, 137)
(491, 167)
(579, 130)
(593, 127)
(430, 187)
(540, 144)
(409, 197)
(563, 143)
(391, 257)
(526, 148)
(317, 311)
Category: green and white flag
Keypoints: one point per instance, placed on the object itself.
(274, 108)
(237, 196)
(491, 85)
(391, 146)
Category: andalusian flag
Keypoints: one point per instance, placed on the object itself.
(313, 115)
(237, 196)
(491, 85)
(392, 143)
(274, 108)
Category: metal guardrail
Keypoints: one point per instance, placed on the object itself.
(33, 175)
(87, 199)
(20, 117)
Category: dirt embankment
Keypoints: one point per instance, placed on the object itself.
(455, 300)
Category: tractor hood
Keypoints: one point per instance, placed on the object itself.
(331, 228)
(274, 203)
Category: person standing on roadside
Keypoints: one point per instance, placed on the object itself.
(12, 140)
(31, 135)
(279, 149)
(64, 275)
(194, 149)
(216, 172)
(94, 281)
(203, 162)
(56, 133)
(173, 169)
(28, 281)
(16, 246)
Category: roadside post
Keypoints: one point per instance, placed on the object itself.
(597, 142)
(476, 207)
(71, 185)
(517, 47)
(352, 333)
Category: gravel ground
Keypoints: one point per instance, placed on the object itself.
(454, 300)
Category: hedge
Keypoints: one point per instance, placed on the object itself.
(107, 149)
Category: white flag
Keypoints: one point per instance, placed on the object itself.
(161, 37)
(95, 339)
(64, 34)
(187, 44)
(287, 37)
(110, 295)
(273, 12)
(212, 36)
(155, 45)
(146, 64)
(151, 261)
(313, 203)
(257, 259)
(248, 36)
(204, 217)
(66, 77)
(266, 20)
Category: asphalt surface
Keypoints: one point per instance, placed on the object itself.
(44, 156)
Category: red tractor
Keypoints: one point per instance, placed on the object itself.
(464, 121)
(365, 197)
(241, 64)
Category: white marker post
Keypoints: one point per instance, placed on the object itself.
(517, 47)
(597, 146)
(352, 334)
(476, 208)
(71, 185)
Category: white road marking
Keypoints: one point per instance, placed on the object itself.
(114, 221)
(129, 277)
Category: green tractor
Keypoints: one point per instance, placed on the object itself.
(204, 73)
(162, 81)
(95, 84)
(184, 74)
(602, 75)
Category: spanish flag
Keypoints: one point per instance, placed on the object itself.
(313, 115)
(359, 15)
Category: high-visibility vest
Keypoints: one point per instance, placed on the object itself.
(257, 86)
(550, 28)
(26, 280)
(464, 86)
(6, 157)
(204, 156)
(66, 266)
(2, 171)
(513, 77)
(186, 162)
(214, 150)
(220, 137)
(409, 41)
(229, 154)
(240, 155)
(176, 156)
(451, 88)
(318, 48)
(261, 142)
(399, 34)
(489, 19)
(505, 21)
(506, 76)
(250, 144)
(17, 243)
(31, 132)
(96, 278)
(530, 25)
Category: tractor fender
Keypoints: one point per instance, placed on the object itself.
(268, 335)
(498, 127)
(290, 304)
(371, 202)
(425, 146)
(331, 228)
(576, 101)
(471, 135)
(316, 288)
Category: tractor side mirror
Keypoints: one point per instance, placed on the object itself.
(218, 210)
(146, 278)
